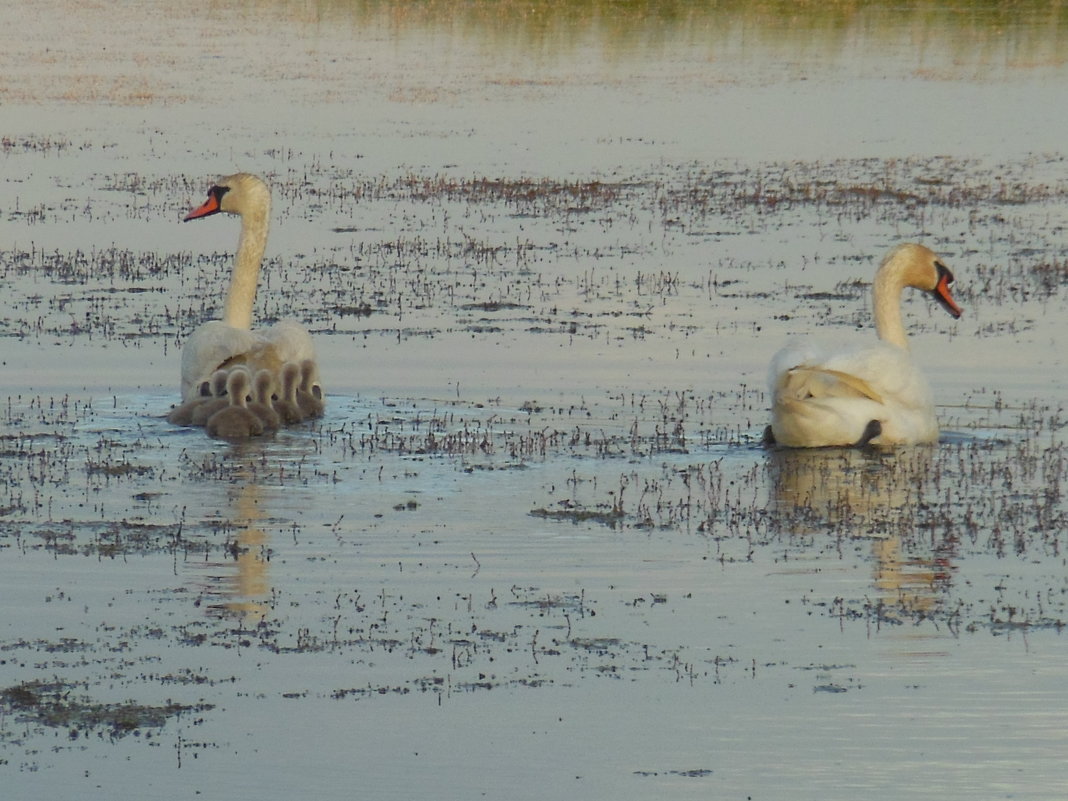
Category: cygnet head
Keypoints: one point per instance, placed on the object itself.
(287, 408)
(217, 383)
(238, 384)
(309, 394)
(309, 376)
(290, 381)
(263, 386)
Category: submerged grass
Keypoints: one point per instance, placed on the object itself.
(57, 705)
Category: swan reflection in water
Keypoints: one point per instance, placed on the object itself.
(874, 495)
(238, 585)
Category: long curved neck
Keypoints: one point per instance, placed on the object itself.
(886, 300)
(237, 311)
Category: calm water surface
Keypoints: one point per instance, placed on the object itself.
(534, 549)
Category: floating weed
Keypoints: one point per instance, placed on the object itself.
(604, 514)
(56, 705)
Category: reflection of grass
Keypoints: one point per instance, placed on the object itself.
(1027, 29)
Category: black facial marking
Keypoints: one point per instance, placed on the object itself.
(944, 272)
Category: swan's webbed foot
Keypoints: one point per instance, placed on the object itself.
(873, 429)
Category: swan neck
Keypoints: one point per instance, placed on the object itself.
(246, 275)
(886, 300)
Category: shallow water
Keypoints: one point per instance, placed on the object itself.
(534, 549)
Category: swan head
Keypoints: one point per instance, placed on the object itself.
(920, 267)
(941, 290)
(234, 194)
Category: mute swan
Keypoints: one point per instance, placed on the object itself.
(229, 341)
(287, 407)
(262, 389)
(235, 421)
(309, 393)
(875, 395)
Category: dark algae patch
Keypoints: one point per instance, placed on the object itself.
(58, 705)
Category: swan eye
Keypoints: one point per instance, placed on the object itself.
(944, 273)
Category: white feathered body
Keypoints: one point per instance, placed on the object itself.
(216, 345)
(821, 398)
(826, 398)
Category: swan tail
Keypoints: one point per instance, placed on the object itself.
(825, 422)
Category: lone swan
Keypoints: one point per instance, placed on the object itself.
(872, 396)
(224, 343)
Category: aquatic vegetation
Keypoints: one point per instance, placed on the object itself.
(57, 705)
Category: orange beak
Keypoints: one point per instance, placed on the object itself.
(210, 206)
(942, 293)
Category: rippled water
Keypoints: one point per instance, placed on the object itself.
(534, 549)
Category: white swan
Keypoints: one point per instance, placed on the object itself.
(231, 340)
(876, 395)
